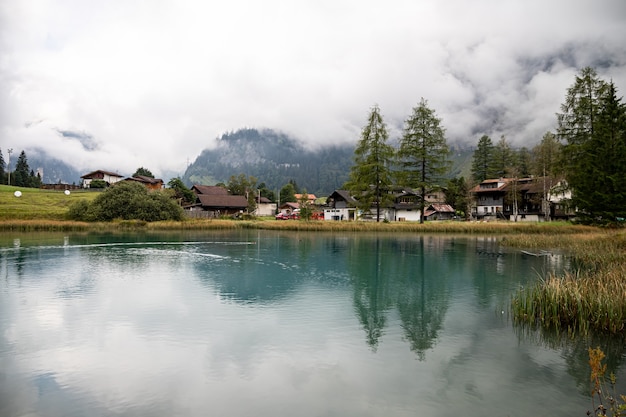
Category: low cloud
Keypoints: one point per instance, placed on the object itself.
(119, 83)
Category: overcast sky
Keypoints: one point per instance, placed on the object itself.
(119, 84)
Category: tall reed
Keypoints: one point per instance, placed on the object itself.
(590, 298)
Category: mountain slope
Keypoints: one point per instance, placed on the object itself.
(273, 158)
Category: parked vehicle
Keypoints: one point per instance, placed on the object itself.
(282, 216)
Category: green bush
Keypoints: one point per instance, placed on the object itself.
(98, 184)
(127, 201)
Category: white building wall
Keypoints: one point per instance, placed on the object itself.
(407, 215)
(265, 209)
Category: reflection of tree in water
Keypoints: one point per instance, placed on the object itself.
(422, 299)
(371, 295)
(398, 272)
(574, 350)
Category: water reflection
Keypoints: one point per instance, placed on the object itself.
(575, 351)
(263, 323)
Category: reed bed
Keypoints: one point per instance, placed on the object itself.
(590, 298)
(520, 231)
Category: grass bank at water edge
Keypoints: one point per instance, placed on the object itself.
(591, 298)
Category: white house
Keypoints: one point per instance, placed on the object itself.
(109, 177)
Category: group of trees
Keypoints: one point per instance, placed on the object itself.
(502, 160)
(420, 161)
(588, 151)
(592, 127)
(22, 176)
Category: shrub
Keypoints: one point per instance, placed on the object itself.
(127, 201)
(98, 184)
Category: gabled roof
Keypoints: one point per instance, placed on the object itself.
(438, 208)
(145, 180)
(342, 195)
(500, 183)
(223, 201)
(441, 208)
(263, 200)
(290, 205)
(209, 189)
(109, 173)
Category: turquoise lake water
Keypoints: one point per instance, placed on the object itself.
(259, 323)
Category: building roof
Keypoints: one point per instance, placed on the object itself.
(342, 195)
(309, 196)
(263, 200)
(290, 205)
(438, 208)
(441, 208)
(500, 184)
(209, 189)
(223, 201)
(109, 173)
(145, 180)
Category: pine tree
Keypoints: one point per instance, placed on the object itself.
(482, 160)
(593, 125)
(21, 174)
(503, 158)
(145, 172)
(2, 167)
(423, 152)
(523, 161)
(370, 176)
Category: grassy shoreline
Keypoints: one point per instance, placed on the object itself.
(481, 228)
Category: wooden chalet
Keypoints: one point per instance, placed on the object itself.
(439, 211)
(149, 182)
(214, 201)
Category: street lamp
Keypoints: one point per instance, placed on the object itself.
(10, 151)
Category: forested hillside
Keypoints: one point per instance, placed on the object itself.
(273, 158)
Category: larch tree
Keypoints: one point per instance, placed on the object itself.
(371, 176)
(423, 152)
(546, 158)
(482, 160)
(593, 126)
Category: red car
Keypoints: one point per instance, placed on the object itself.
(282, 216)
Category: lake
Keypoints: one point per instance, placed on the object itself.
(262, 323)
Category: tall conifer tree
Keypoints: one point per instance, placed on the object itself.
(482, 160)
(423, 153)
(370, 176)
(593, 126)
(22, 171)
